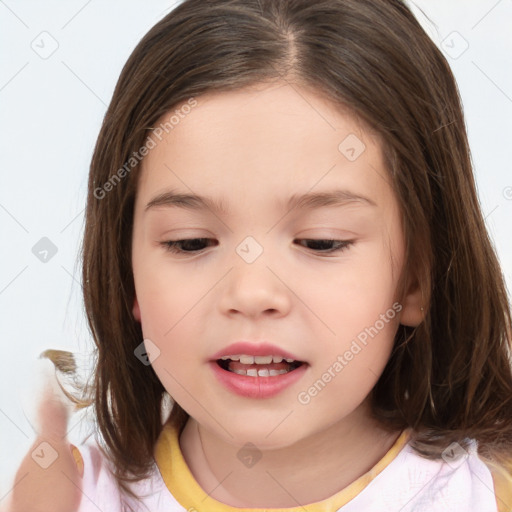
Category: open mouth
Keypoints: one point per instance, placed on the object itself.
(263, 366)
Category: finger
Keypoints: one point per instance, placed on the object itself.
(44, 403)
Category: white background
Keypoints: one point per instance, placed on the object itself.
(51, 113)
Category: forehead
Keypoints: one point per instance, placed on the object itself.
(263, 140)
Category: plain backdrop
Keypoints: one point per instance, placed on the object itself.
(59, 64)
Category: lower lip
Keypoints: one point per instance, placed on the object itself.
(257, 387)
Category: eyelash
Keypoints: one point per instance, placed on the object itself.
(172, 245)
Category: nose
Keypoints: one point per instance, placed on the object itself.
(257, 288)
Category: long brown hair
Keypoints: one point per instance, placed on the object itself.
(449, 379)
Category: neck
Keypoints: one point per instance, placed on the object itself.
(310, 470)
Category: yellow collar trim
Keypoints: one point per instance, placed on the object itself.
(185, 489)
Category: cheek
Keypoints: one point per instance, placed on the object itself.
(170, 320)
(171, 310)
(164, 295)
(360, 310)
(352, 298)
(350, 370)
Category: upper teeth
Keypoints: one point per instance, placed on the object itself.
(245, 359)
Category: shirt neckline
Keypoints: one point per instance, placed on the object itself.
(181, 483)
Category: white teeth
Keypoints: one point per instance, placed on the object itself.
(246, 359)
(252, 372)
(262, 359)
(233, 358)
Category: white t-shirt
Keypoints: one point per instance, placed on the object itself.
(401, 481)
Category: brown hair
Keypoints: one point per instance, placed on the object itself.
(449, 379)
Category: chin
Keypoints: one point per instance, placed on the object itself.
(264, 436)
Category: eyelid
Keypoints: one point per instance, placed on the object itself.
(339, 245)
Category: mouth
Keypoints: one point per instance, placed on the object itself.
(258, 366)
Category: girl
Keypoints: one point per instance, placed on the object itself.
(283, 243)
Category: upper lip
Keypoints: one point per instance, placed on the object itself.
(254, 349)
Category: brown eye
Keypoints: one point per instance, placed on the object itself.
(196, 245)
(326, 245)
(189, 245)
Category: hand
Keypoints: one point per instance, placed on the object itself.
(48, 479)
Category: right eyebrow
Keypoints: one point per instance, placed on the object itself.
(188, 201)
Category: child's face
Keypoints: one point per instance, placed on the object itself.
(259, 277)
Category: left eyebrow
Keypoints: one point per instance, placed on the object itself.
(336, 197)
(311, 200)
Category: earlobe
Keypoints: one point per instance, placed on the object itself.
(136, 309)
(413, 307)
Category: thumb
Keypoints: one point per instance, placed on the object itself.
(46, 406)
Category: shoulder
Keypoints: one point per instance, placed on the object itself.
(459, 481)
(101, 490)
(502, 482)
(99, 485)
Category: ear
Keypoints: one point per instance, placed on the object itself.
(136, 309)
(413, 306)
